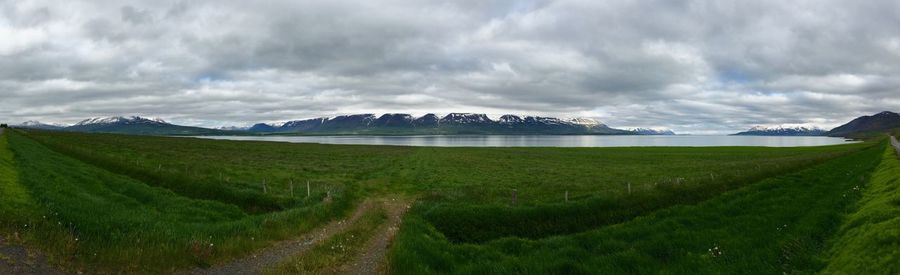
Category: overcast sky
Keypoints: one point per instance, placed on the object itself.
(691, 66)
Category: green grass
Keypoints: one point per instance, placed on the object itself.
(17, 205)
(869, 240)
(471, 186)
(337, 250)
(232, 172)
(136, 201)
(777, 225)
(92, 218)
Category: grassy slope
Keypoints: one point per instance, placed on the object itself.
(92, 218)
(868, 241)
(777, 225)
(17, 205)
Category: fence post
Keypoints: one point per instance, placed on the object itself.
(307, 188)
(264, 187)
(629, 188)
(292, 188)
(567, 195)
(515, 196)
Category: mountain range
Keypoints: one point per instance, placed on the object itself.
(782, 131)
(431, 124)
(358, 124)
(124, 125)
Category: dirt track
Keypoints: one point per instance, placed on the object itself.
(371, 262)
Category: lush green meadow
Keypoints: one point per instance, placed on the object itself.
(114, 203)
(780, 224)
(85, 216)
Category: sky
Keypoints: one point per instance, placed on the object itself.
(700, 67)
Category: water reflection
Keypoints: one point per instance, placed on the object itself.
(550, 141)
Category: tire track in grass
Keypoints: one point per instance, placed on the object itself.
(360, 249)
(373, 260)
(267, 257)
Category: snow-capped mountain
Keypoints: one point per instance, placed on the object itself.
(588, 122)
(453, 123)
(653, 132)
(33, 124)
(782, 131)
(233, 128)
(135, 125)
(120, 120)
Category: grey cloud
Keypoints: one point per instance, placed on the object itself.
(694, 66)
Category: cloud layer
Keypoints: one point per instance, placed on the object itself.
(693, 66)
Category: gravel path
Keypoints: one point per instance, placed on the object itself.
(270, 256)
(373, 260)
(15, 259)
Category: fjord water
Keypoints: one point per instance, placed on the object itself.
(550, 140)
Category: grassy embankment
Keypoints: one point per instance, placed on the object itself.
(869, 240)
(138, 201)
(777, 225)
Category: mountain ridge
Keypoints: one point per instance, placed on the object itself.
(453, 123)
(781, 131)
(880, 122)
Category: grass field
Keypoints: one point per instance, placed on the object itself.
(777, 225)
(112, 203)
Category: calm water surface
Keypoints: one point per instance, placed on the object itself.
(549, 141)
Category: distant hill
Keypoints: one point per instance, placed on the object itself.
(652, 132)
(136, 125)
(32, 124)
(781, 131)
(881, 122)
(431, 124)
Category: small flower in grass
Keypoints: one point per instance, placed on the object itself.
(715, 251)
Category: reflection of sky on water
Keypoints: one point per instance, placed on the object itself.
(550, 141)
